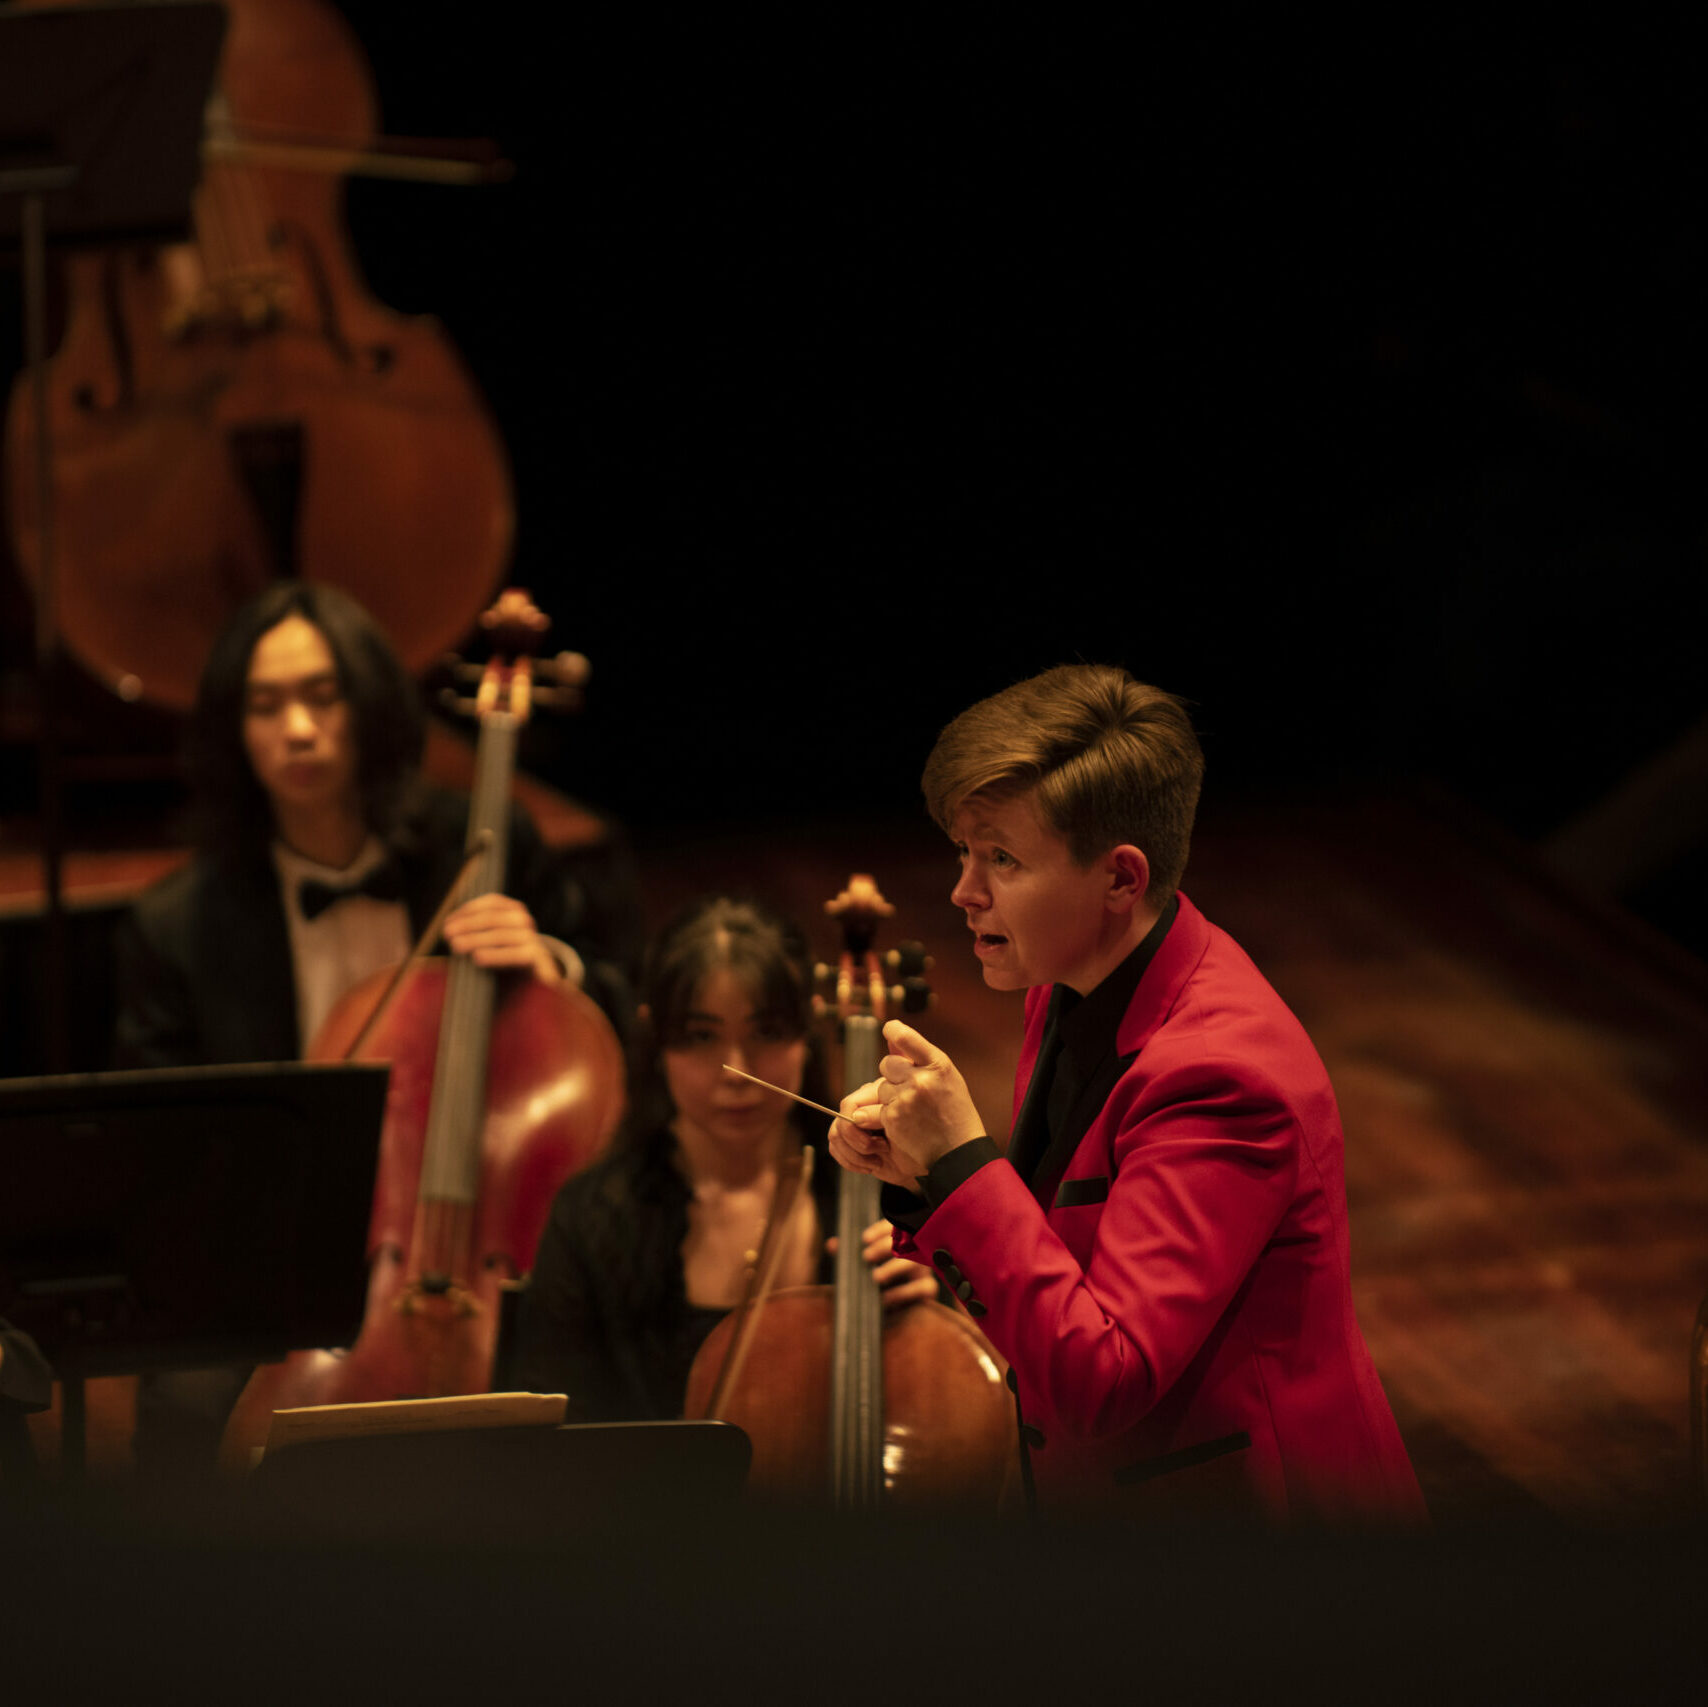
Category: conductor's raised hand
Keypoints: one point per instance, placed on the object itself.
(857, 1140)
(926, 1111)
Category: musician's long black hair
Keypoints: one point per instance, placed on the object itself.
(231, 818)
(644, 1193)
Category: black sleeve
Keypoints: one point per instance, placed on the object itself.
(156, 1025)
(563, 1339)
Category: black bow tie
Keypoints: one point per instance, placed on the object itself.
(383, 883)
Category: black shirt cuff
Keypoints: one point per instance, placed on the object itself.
(903, 1208)
(956, 1167)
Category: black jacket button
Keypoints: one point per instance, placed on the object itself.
(942, 1259)
(974, 1307)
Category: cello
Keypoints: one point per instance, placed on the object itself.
(501, 1087)
(847, 1402)
(238, 408)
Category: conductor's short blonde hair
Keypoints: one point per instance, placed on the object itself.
(1106, 758)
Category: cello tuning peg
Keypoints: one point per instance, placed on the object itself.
(566, 670)
(559, 698)
(908, 960)
(912, 996)
(456, 667)
(453, 701)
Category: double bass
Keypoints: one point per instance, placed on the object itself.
(501, 1087)
(847, 1402)
(238, 408)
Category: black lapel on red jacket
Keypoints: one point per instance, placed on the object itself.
(1092, 1096)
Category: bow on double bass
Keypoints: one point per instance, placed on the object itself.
(843, 1400)
(501, 1087)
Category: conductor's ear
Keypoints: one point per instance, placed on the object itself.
(1129, 877)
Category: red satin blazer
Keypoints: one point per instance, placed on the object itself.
(1178, 1313)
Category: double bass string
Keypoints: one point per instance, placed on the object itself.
(242, 217)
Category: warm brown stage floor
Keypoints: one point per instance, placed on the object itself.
(1524, 1087)
(1524, 1083)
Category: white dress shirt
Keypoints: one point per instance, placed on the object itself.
(350, 941)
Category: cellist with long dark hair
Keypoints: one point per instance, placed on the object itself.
(320, 854)
(649, 1248)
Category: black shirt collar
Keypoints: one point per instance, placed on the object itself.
(1089, 1023)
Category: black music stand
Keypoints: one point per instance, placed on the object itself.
(186, 1217)
(538, 1483)
(100, 142)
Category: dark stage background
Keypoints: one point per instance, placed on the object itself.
(1350, 387)
(852, 370)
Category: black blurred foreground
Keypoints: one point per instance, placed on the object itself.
(637, 1602)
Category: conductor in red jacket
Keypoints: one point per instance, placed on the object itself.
(1162, 1253)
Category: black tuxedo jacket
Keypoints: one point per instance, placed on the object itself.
(204, 960)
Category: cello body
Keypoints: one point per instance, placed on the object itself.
(948, 1423)
(236, 409)
(554, 1095)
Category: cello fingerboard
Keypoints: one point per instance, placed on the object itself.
(450, 1163)
(857, 1364)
